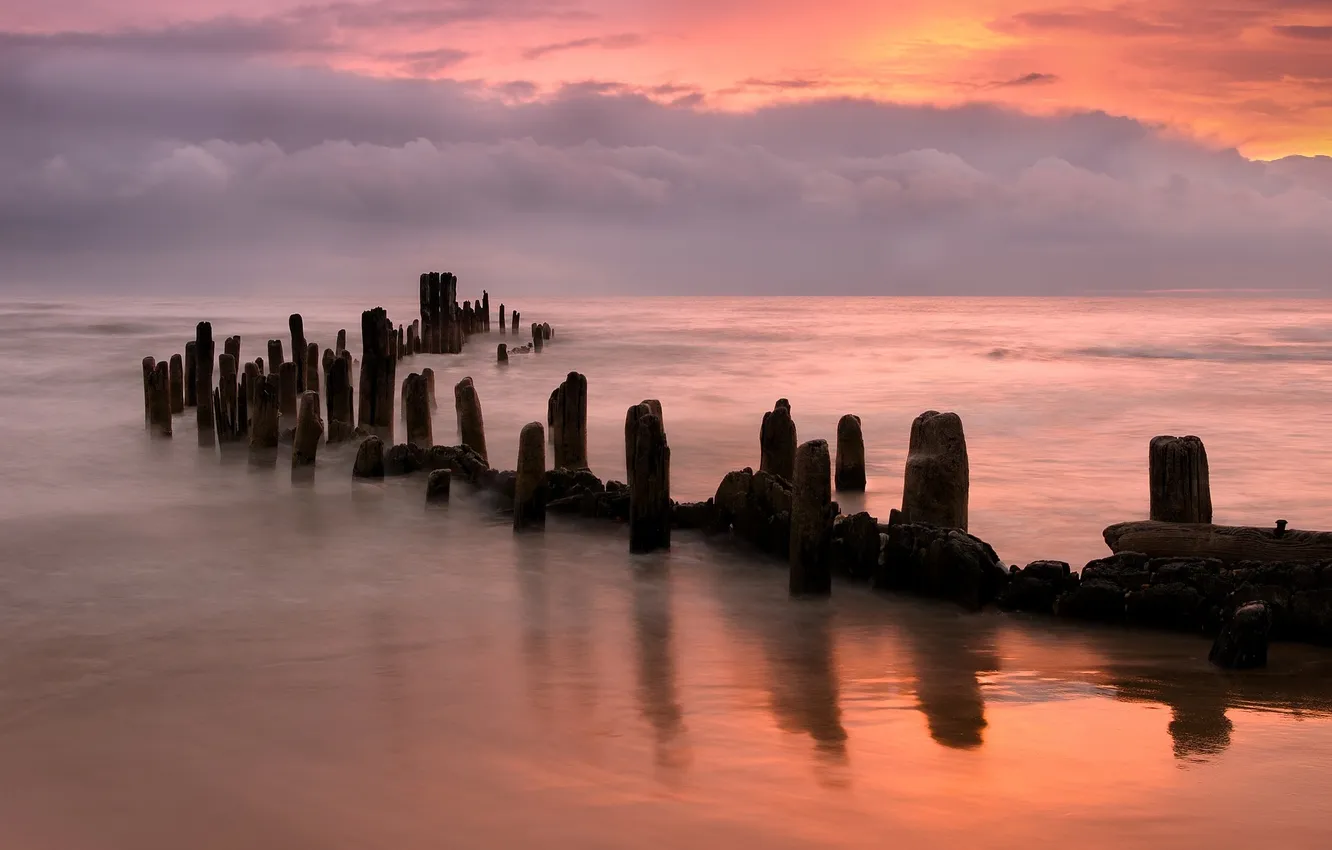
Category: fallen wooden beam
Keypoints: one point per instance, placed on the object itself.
(1224, 542)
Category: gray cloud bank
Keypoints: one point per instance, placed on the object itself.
(133, 173)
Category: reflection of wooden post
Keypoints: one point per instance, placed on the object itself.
(811, 519)
(1180, 488)
(649, 480)
(777, 441)
(937, 481)
(529, 495)
(850, 455)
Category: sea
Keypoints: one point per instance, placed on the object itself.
(201, 652)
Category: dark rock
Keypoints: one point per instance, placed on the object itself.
(695, 516)
(569, 482)
(855, 546)
(1036, 587)
(944, 563)
(438, 485)
(369, 459)
(339, 431)
(757, 506)
(1125, 570)
(464, 461)
(1175, 606)
(1311, 616)
(1094, 599)
(1242, 643)
(404, 459)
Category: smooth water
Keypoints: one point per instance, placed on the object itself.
(197, 652)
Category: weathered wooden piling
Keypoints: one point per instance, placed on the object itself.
(369, 459)
(570, 418)
(226, 413)
(243, 403)
(438, 485)
(287, 393)
(232, 346)
(537, 339)
(250, 378)
(429, 286)
(650, 405)
(159, 406)
(350, 418)
(1181, 489)
(342, 342)
(502, 353)
(400, 346)
(149, 364)
(449, 307)
(649, 479)
(850, 475)
(264, 413)
(378, 371)
(191, 375)
(298, 349)
(309, 431)
(416, 410)
(529, 492)
(550, 415)
(326, 360)
(337, 388)
(471, 425)
(546, 332)
(176, 372)
(811, 520)
(503, 328)
(937, 481)
(411, 339)
(275, 356)
(312, 367)
(203, 389)
(777, 441)
(485, 311)
(259, 361)
(515, 321)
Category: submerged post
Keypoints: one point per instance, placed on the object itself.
(159, 408)
(485, 310)
(850, 455)
(502, 353)
(937, 481)
(416, 410)
(309, 431)
(537, 338)
(570, 418)
(176, 373)
(515, 321)
(298, 349)
(777, 441)
(471, 425)
(647, 405)
(649, 480)
(1181, 489)
(811, 520)
(529, 492)
(203, 354)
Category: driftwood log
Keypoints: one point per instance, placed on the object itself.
(1223, 542)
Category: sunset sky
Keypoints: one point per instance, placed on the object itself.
(1007, 96)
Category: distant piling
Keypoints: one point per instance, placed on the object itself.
(311, 361)
(204, 357)
(342, 342)
(515, 321)
(264, 413)
(538, 340)
(502, 353)
(226, 410)
(149, 364)
(191, 375)
(275, 356)
(298, 349)
(287, 393)
(378, 370)
(501, 319)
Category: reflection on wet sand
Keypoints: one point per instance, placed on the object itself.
(947, 664)
(658, 699)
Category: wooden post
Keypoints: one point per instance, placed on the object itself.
(243, 403)
(226, 413)
(552, 433)
(429, 284)
(204, 357)
(503, 328)
(177, 377)
(264, 414)
(937, 480)
(309, 431)
(471, 425)
(416, 410)
(777, 441)
(342, 342)
(350, 415)
(275, 356)
(191, 375)
(570, 417)
(341, 421)
(298, 349)
(232, 346)
(369, 459)
(1181, 490)
(546, 332)
(537, 338)
(850, 455)
(287, 394)
(649, 480)
(149, 364)
(429, 375)
(438, 485)
(159, 413)
(378, 373)
(485, 311)
(529, 493)
(515, 321)
(649, 405)
(502, 353)
(811, 520)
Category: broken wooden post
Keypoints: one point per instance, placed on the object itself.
(471, 425)
(159, 407)
(416, 410)
(243, 403)
(309, 431)
(649, 405)
(777, 441)
(811, 520)
(515, 321)
(438, 485)
(369, 459)
(502, 353)
(191, 375)
(850, 475)
(176, 373)
(298, 349)
(485, 310)
(350, 417)
(149, 364)
(937, 481)
(546, 332)
(537, 339)
(503, 328)
(264, 413)
(203, 357)
(225, 414)
(342, 342)
(378, 370)
(570, 418)
(275, 356)
(337, 387)
(429, 286)
(232, 346)
(429, 375)
(312, 367)
(649, 480)
(529, 492)
(1180, 487)
(550, 415)
(287, 393)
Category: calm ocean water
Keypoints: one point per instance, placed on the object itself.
(196, 653)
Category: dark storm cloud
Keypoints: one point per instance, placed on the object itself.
(138, 171)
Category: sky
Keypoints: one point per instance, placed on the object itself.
(971, 147)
